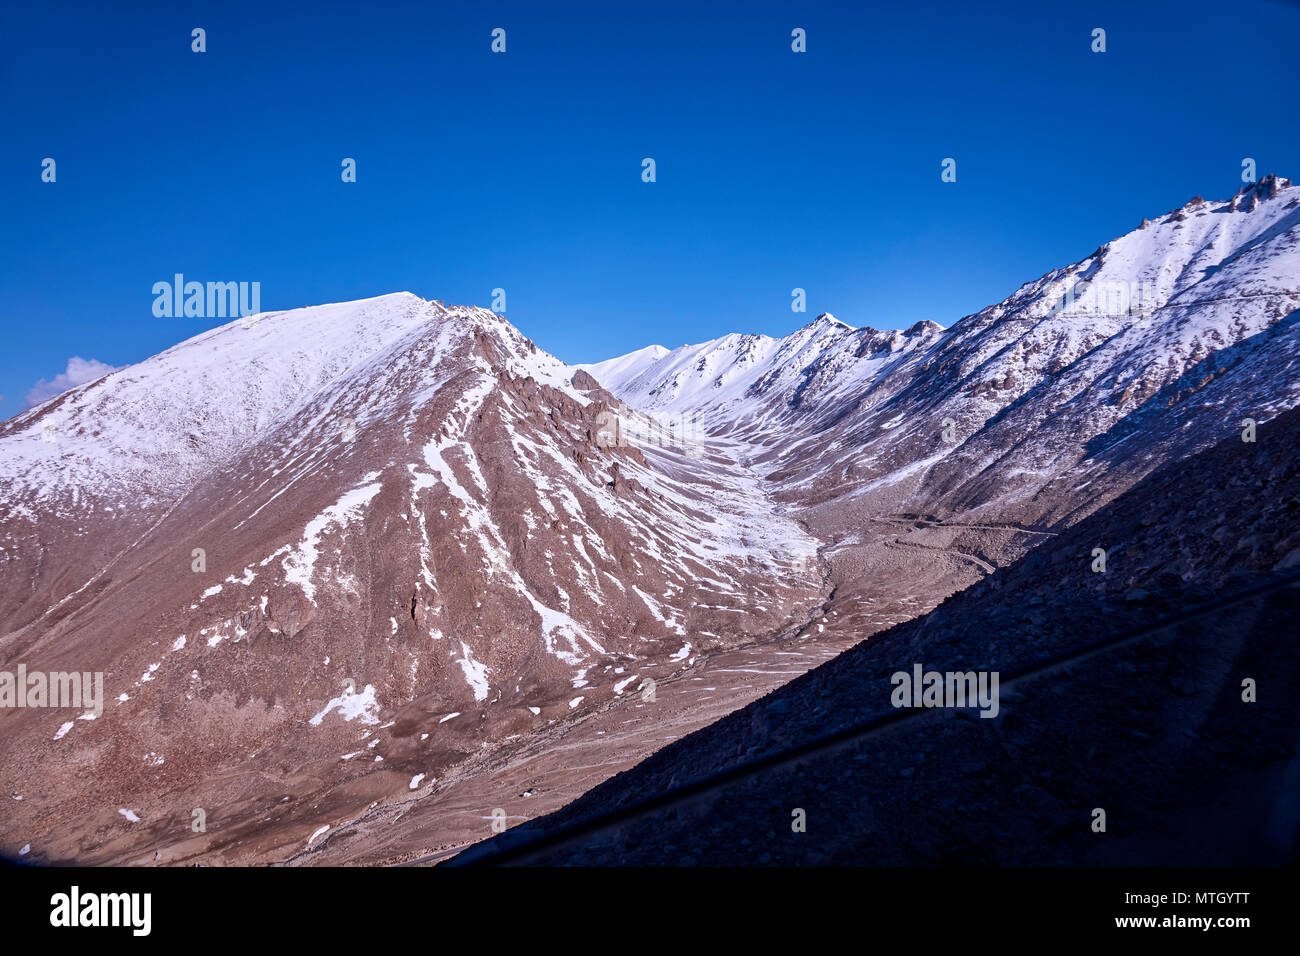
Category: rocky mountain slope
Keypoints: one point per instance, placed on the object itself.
(1163, 690)
(934, 455)
(346, 547)
(355, 564)
(1180, 330)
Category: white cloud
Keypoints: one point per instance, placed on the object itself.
(80, 371)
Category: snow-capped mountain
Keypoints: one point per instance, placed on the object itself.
(1104, 404)
(1174, 333)
(336, 556)
(737, 381)
(358, 540)
(616, 371)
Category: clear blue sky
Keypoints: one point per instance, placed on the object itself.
(523, 170)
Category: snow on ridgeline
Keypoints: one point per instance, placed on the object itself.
(738, 379)
(148, 432)
(156, 426)
(1210, 277)
(614, 373)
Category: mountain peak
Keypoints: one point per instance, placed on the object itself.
(827, 321)
(1267, 187)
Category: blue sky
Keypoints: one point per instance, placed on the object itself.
(522, 170)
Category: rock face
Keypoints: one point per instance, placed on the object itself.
(582, 380)
(318, 554)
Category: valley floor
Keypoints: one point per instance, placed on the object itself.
(566, 760)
